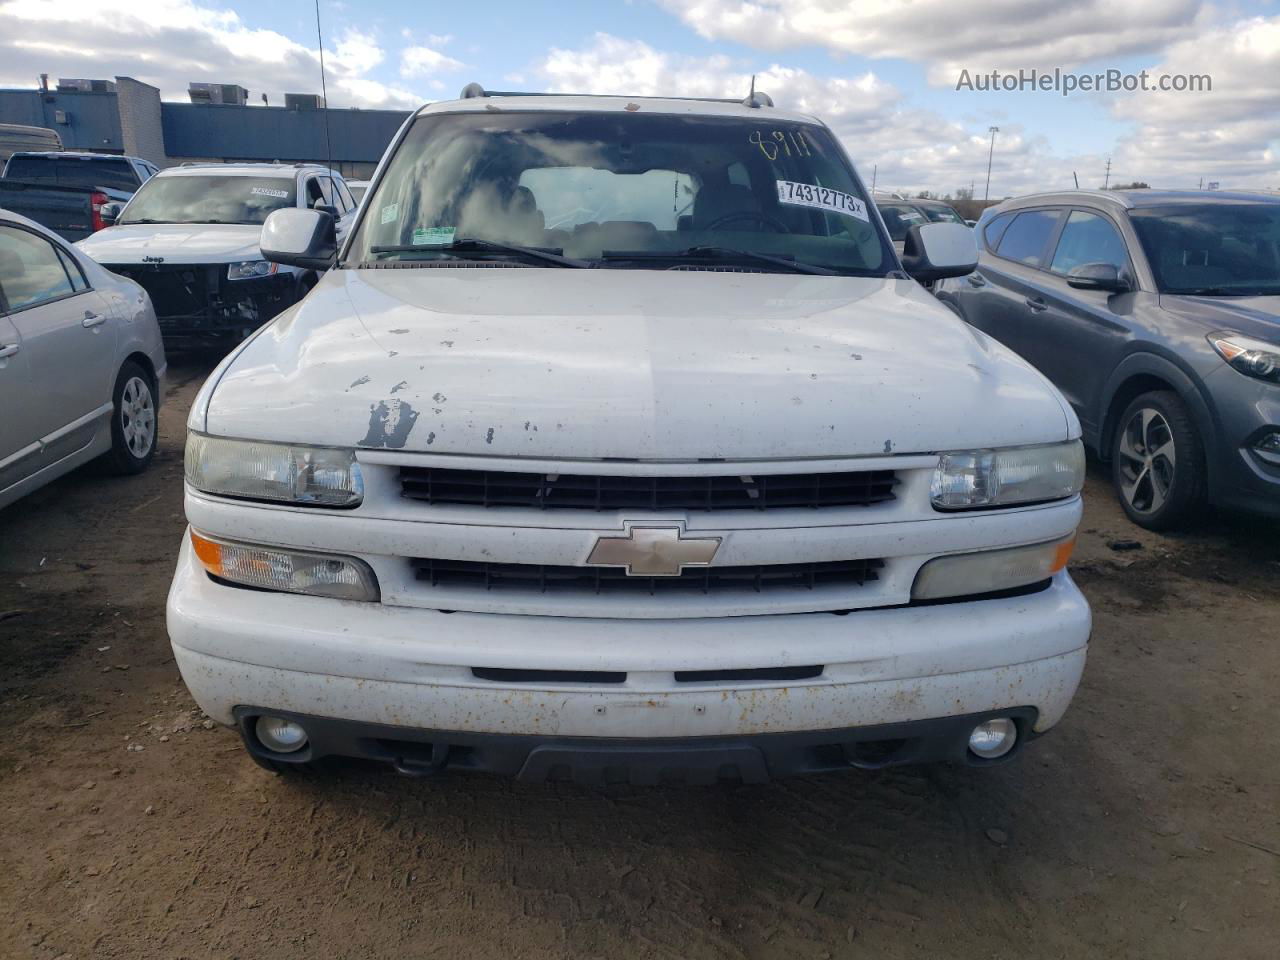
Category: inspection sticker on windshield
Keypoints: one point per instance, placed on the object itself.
(390, 212)
(824, 198)
(269, 192)
(433, 236)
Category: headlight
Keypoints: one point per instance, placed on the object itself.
(319, 476)
(247, 269)
(968, 479)
(967, 574)
(291, 571)
(1253, 358)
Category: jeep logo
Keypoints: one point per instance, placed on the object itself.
(153, 259)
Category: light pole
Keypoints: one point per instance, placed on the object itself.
(990, 153)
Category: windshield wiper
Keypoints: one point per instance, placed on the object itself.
(1229, 292)
(145, 220)
(473, 243)
(1212, 292)
(719, 253)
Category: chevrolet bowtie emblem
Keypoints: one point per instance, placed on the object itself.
(654, 551)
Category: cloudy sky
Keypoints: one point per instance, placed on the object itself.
(882, 73)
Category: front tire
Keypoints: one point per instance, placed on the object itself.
(134, 421)
(1157, 461)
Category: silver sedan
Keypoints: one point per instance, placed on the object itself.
(81, 362)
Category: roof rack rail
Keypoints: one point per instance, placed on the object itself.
(473, 90)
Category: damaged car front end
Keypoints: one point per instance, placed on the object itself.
(207, 303)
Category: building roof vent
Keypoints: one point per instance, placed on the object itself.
(230, 93)
(304, 101)
(85, 86)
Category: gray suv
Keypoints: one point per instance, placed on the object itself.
(1157, 314)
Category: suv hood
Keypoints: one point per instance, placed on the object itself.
(176, 242)
(1251, 316)
(585, 364)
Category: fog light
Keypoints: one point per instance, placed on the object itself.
(993, 738)
(280, 735)
(1268, 448)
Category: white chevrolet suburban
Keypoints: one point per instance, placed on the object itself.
(619, 444)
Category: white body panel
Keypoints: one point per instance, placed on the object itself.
(587, 364)
(176, 242)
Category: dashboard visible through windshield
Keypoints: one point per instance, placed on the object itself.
(627, 190)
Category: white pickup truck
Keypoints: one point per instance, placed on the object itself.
(619, 444)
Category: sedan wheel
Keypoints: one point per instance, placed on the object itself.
(138, 417)
(134, 424)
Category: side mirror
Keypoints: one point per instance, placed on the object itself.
(110, 211)
(1098, 276)
(300, 238)
(971, 223)
(934, 251)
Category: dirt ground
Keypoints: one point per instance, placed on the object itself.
(1146, 825)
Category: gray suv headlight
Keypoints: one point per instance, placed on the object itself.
(279, 472)
(1253, 358)
(972, 479)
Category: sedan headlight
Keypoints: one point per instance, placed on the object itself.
(317, 476)
(969, 479)
(248, 269)
(1253, 358)
(287, 570)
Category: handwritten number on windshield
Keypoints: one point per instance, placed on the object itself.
(789, 143)
(768, 149)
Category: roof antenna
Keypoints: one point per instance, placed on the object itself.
(757, 100)
(324, 93)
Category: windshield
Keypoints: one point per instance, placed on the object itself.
(212, 199)
(596, 187)
(941, 213)
(1213, 249)
(899, 218)
(114, 173)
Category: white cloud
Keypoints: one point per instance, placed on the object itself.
(1231, 134)
(422, 61)
(907, 148)
(357, 52)
(169, 43)
(949, 34)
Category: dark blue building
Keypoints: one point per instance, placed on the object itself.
(127, 116)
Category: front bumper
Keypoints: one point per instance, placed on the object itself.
(196, 302)
(1249, 409)
(753, 758)
(415, 669)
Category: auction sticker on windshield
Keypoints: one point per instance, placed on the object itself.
(269, 192)
(824, 198)
(433, 236)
